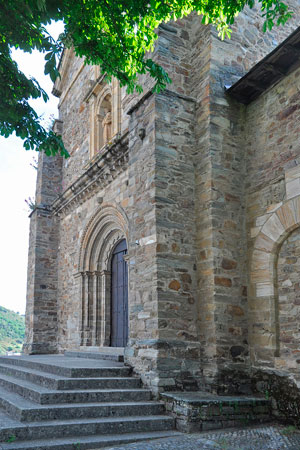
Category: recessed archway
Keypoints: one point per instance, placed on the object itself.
(107, 228)
(263, 299)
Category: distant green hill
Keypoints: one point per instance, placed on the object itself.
(12, 330)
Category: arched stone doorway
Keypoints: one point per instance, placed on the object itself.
(265, 334)
(103, 243)
(119, 296)
(288, 306)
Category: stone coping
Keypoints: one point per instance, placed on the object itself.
(199, 398)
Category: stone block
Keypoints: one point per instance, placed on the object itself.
(163, 382)
(263, 242)
(287, 216)
(264, 289)
(261, 220)
(293, 188)
(211, 425)
(296, 206)
(273, 228)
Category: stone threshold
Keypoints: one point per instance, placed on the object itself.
(90, 352)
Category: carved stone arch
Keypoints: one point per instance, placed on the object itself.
(107, 213)
(263, 295)
(104, 256)
(103, 232)
(106, 91)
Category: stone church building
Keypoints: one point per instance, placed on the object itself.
(173, 230)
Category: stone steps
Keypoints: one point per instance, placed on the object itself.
(87, 442)
(55, 402)
(28, 411)
(44, 395)
(52, 381)
(67, 370)
(92, 426)
(108, 355)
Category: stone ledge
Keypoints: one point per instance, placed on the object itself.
(200, 411)
(102, 171)
(204, 398)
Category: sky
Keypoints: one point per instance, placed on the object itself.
(17, 183)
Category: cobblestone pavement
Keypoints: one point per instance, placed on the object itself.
(258, 438)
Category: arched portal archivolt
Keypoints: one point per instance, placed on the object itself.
(103, 232)
(263, 299)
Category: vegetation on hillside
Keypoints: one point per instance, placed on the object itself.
(12, 330)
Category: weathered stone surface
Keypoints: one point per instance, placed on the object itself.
(42, 413)
(202, 411)
(174, 285)
(289, 303)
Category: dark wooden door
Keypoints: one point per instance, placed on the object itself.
(119, 296)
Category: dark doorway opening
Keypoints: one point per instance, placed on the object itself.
(119, 296)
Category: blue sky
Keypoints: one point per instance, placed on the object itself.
(17, 183)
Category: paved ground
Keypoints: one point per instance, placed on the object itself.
(259, 438)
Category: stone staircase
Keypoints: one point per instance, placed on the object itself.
(71, 403)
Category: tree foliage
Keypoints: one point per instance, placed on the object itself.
(117, 35)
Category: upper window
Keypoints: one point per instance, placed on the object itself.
(104, 121)
(105, 115)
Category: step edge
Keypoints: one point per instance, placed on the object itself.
(131, 437)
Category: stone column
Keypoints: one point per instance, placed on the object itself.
(96, 319)
(85, 310)
(105, 308)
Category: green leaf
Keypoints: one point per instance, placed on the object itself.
(115, 35)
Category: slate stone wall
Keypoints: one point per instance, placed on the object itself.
(287, 311)
(221, 167)
(195, 412)
(72, 226)
(74, 112)
(41, 302)
(165, 347)
(272, 213)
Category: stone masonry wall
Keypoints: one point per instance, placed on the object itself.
(72, 227)
(74, 112)
(157, 198)
(178, 363)
(272, 158)
(179, 355)
(200, 79)
(222, 253)
(41, 304)
(143, 307)
(288, 280)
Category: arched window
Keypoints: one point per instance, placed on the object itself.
(105, 122)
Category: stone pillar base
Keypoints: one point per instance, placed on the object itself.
(166, 365)
(39, 349)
